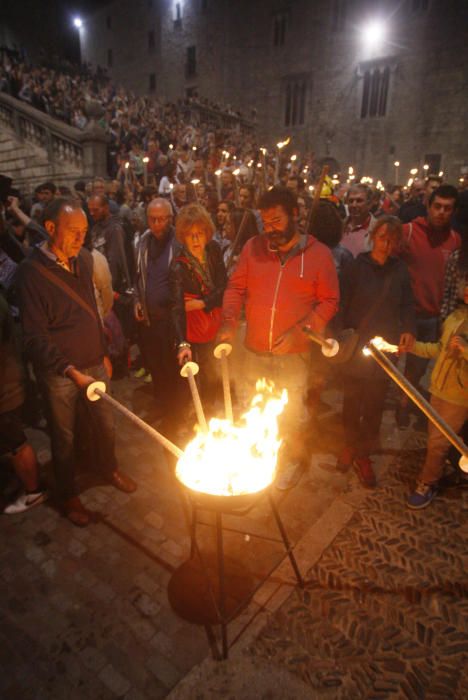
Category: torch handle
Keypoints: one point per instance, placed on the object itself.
(140, 423)
(226, 387)
(316, 338)
(418, 399)
(197, 401)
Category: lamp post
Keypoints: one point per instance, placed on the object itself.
(78, 24)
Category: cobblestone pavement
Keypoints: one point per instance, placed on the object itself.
(384, 613)
(84, 612)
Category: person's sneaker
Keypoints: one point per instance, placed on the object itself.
(363, 468)
(25, 501)
(289, 476)
(148, 379)
(345, 459)
(139, 373)
(421, 496)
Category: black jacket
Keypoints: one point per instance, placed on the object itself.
(183, 280)
(362, 283)
(57, 331)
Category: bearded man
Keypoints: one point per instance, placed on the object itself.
(285, 280)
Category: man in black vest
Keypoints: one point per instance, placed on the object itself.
(64, 339)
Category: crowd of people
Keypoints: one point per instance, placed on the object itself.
(192, 244)
(134, 125)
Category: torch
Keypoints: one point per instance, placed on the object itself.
(235, 173)
(145, 170)
(279, 146)
(330, 346)
(317, 193)
(188, 371)
(221, 352)
(97, 390)
(264, 168)
(376, 348)
(195, 182)
(218, 182)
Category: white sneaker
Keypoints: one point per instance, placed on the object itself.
(25, 501)
(289, 476)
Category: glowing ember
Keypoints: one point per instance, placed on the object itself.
(382, 345)
(236, 459)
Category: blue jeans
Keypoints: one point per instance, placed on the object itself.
(62, 396)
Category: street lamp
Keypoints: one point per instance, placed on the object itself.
(373, 33)
(77, 22)
(413, 171)
(397, 165)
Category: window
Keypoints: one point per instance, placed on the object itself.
(152, 82)
(375, 92)
(151, 42)
(177, 15)
(110, 58)
(280, 22)
(191, 62)
(339, 10)
(295, 102)
(419, 5)
(109, 22)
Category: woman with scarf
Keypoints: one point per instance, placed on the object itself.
(197, 280)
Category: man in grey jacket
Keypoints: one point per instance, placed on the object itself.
(154, 253)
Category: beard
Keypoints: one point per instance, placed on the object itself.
(277, 239)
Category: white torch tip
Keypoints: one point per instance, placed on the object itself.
(222, 348)
(91, 393)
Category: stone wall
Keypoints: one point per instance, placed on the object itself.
(426, 50)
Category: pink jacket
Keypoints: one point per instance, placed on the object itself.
(281, 297)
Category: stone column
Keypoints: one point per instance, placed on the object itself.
(94, 142)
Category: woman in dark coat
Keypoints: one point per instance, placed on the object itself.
(197, 280)
(376, 300)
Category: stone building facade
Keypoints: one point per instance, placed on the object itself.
(314, 70)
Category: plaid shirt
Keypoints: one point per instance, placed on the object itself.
(454, 279)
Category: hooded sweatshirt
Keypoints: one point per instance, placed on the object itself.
(426, 252)
(449, 378)
(281, 295)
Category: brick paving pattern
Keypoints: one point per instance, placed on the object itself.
(385, 610)
(84, 614)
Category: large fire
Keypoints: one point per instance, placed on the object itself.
(232, 459)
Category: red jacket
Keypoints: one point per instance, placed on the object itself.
(281, 297)
(426, 252)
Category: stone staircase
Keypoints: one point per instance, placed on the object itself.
(35, 147)
(29, 165)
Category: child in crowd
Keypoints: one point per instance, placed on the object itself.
(449, 396)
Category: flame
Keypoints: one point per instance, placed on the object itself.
(236, 459)
(382, 345)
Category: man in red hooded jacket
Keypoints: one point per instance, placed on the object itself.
(284, 281)
(428, 242)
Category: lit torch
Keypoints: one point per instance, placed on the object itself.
(376, 348)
